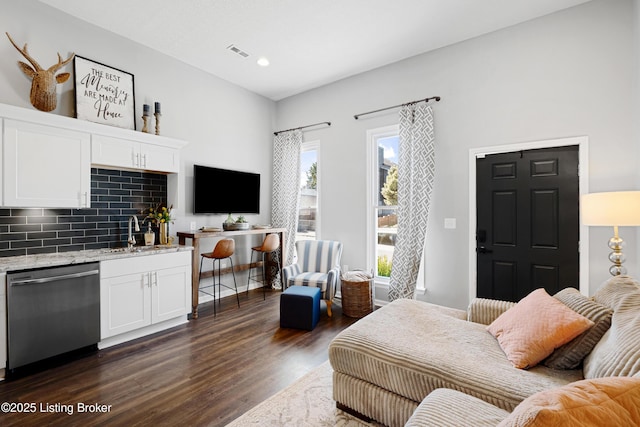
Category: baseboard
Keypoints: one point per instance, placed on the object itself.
(142, 332)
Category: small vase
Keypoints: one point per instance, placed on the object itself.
(164, 233)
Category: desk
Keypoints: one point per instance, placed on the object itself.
(195, 237)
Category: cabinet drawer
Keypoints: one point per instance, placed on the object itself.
(123, 266)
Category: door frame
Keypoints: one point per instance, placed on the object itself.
(583, 181)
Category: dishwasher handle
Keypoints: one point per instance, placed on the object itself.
(54, 278)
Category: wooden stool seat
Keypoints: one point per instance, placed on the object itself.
(270, 244)
(224, 249)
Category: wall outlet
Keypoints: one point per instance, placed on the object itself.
(450, 223)
(192, 225)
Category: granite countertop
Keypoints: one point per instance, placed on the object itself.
(77, 257)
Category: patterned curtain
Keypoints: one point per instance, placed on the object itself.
(286, 187)
(416, 168)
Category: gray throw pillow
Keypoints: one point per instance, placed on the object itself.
(612, 291)
(570, 355)
(618, 352)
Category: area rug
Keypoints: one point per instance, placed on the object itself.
(306, 402)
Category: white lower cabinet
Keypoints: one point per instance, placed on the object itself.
(143, 294)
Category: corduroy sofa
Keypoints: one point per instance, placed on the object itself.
(387, 364)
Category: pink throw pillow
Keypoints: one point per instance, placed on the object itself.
(529, 331)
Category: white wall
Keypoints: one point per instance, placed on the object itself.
(562, 75)
(225, 125)
(566, 74)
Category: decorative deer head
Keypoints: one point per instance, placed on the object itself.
(43, 82)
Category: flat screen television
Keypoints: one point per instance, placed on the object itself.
(224, 191)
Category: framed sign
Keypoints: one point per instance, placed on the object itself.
(104, 94)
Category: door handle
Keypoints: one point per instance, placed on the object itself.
(483, 250)
(27, 281)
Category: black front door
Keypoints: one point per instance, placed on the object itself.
(527, 222)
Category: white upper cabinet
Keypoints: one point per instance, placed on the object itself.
(124, 153)
(45, 166)
(1, 163)
(113, 152)
(46, 159)
(159, 158)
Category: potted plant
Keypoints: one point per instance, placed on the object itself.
(241, 223)
(161, 216)
(235, 224)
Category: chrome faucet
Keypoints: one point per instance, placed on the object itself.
(131, 240)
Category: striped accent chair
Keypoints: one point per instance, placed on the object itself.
(318, 265)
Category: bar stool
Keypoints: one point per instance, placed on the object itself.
(270, 245)
(223, 250)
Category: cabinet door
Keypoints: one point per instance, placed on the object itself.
(1, 164)
(158, 158)
(125, 303)
(171, 293)
(139, 291)
(45, 166)
(116, 152)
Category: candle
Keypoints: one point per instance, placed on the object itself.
(146, 109)
(157, 108)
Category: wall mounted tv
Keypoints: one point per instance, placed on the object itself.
(225, 191)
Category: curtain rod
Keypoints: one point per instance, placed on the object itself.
(303, 127)
(436, 98)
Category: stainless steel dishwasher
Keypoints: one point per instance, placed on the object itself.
(51, 311)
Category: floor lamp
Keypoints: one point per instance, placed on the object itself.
(613, 209)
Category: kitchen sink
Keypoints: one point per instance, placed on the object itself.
(137, 249)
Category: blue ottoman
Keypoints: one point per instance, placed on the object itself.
(300, 307)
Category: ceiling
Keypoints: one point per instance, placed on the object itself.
(309, 43)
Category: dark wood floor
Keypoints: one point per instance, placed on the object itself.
(207, 372)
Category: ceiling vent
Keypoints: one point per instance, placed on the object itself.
(233, 48)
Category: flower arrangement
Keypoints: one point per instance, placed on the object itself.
(160, 214)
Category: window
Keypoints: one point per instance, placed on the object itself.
(309, 192)
(382, 153)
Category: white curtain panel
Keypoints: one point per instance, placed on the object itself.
(286, 187)
(416, 169)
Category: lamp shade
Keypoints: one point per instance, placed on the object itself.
(617, 208)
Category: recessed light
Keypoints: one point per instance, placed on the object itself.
(263, 62)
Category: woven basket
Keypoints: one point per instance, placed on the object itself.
(357, 298)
